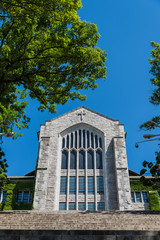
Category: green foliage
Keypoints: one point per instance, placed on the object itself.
(153, 201)
(48, 53)
(12, 189)
(141, 185)
(3, 167)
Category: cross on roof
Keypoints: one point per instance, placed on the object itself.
(81, 114)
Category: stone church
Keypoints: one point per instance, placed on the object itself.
(82, 187)
(82, 163)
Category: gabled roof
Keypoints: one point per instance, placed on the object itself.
(81, 107)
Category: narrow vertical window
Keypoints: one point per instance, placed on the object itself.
(63, 186)
(71, 140)
(138, 197)
(99, 160)
(100, 142)
(76, 139)
(81, 206)
(81, 160)
(100, 206)
(132, 197)
(80, 139)
(100, 188)
(87, 139)
(90, 158)
(62, 206)
(19, 197)
(91, 206)
(73, 160)
(72, 185)
(81, 185)
(92, 140)
(4, 197)
(64, 164)
(72, 206)
(145, 197)
(25, 196)
(96, 141)
(91, 185)
(84, 139)
(63, 142)
(67, 141)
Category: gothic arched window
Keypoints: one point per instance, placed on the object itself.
(81, 159)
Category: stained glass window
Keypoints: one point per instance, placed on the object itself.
(90, 159)
(73, 160)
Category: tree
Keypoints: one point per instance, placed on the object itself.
(46, 52)
(153, 166)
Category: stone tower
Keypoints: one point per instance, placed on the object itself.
(82, 163)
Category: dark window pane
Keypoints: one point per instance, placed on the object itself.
(84, 139)
(132, 197)
(90, 158)
(67, 141)
(96, 141)
(81, 160)
(100, 188)
(91, 206)
(4, 197)
(79, 138)
(82, 185)
(62, 206)
(92, 141)
(100, 206)
(72, 185)
(100, 142)
(71, 140)
(64, 164)
(30, 197)
(145, 197)
(90, 185)
(81, 206)
(26, 197)
(99, 160)
(87, 139)
(73, 160)
(63, 187)
(76, 139)
(19, 197)
(138, 197)
(63, 142)
(72, 206)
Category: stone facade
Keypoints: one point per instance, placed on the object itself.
(115, 168)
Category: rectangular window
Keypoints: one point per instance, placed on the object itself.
(62, 206)
(145, 197)
(72, 206)
(91, 206)
(100, 206)
(132, 197)
(63, 187)
(72, 185)
(90, 185)
(81, 206)
(138, 197)
(19, 197)
(100, 188)
(4, 197)
(26, 197)
(81, 185)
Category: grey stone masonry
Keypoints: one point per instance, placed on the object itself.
(115, 170)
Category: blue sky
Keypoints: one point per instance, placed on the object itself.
(126, 28)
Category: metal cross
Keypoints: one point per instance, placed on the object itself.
(81, 114)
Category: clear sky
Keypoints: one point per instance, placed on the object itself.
(127, 27)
